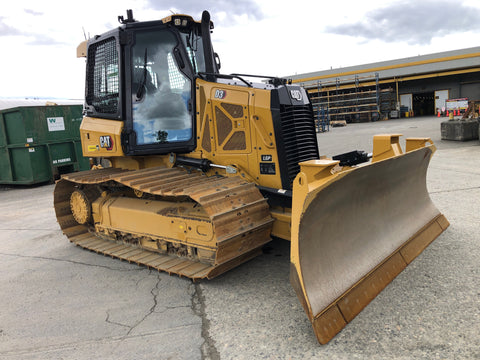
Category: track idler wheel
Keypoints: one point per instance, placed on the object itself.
(81, 205)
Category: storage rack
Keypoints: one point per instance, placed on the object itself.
(351, 101)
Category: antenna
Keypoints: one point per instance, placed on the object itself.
(84, 35)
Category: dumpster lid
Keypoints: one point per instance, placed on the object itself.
(8, 103)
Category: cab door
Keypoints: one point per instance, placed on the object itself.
(159, 94)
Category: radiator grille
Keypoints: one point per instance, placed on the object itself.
(103, 77)
(299, 137)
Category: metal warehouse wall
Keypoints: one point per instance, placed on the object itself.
(417, 84)
(463, 85)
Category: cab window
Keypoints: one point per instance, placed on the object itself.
(160, 91)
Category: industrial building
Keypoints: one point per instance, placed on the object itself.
(417, 86)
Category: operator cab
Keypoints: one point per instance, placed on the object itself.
(143, 73)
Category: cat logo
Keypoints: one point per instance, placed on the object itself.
(106, 142)
(296, 94)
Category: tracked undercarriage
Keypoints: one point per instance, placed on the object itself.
(169, 219)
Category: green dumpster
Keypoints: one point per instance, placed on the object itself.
(39, 143)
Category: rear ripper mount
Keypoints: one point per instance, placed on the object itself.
(208, 225)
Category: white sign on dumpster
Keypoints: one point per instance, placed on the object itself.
(55, 124)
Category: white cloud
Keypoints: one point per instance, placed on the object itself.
(269, 37)
(412, 22)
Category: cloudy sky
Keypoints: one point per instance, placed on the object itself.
(38, 39)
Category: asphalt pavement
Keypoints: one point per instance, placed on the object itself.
(62, 302)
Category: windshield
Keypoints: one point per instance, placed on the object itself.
(161, 93)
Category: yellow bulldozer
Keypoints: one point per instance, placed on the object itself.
(199, 170)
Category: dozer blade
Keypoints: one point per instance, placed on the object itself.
(354, 231)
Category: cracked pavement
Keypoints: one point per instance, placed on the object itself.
(60, 301)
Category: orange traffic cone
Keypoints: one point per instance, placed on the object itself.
(448, 114)
(438, 113)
